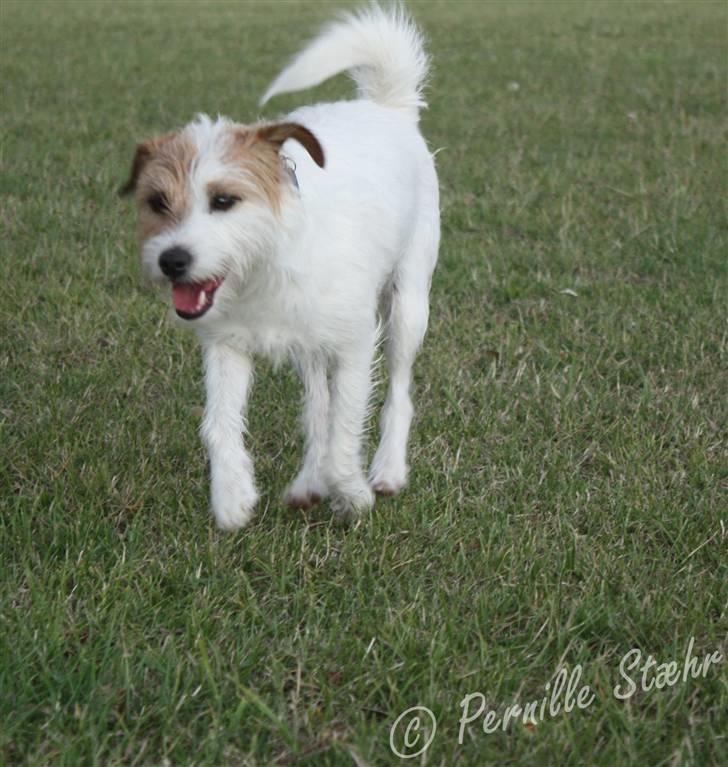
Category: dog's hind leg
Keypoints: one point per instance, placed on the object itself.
(406, 327)
(309, 486)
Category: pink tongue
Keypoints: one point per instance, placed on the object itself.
(186, 296)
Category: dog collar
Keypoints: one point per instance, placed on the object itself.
(290, 167)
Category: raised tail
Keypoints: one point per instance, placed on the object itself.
(382, 50)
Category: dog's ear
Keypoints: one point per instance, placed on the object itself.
(144, 153)
(141, 158)
(278, 133)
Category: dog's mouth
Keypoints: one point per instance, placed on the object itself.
(193, 299)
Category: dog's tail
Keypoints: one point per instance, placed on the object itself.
(382, 50)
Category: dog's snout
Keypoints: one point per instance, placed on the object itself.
(174, 262)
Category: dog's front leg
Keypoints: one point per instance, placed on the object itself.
(309, 486)
(228, 374)
(350, 389)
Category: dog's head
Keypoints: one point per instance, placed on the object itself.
(209, 199)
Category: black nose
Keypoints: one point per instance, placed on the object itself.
(174, 262)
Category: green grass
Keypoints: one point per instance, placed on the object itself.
(568, 493)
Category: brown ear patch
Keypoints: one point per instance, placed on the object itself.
(256, 150)
(142, 156)
(278, 133)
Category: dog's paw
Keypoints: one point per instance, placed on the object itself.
(304, 492)
(233, 505)
(387, 480)
(386, 487)
(301, 501)
(352, 501)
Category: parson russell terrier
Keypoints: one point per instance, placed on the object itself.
(290, 239)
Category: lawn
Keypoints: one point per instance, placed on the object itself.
(568, 490)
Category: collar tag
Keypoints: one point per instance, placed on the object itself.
(290, 167)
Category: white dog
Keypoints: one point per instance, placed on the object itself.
(288, 239)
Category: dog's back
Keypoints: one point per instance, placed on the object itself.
(376, 202)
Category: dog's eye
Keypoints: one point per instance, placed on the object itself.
(158, 203)
(223, 201)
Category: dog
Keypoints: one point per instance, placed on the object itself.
(304, 239)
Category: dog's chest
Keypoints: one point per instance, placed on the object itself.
(272, 331)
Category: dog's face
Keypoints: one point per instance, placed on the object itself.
(209, 198)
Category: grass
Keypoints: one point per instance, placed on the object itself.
(568, 492)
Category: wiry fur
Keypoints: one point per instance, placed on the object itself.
(306, 264)
(382, 51)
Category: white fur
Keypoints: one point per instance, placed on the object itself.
(383, 52)
(357, 236)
